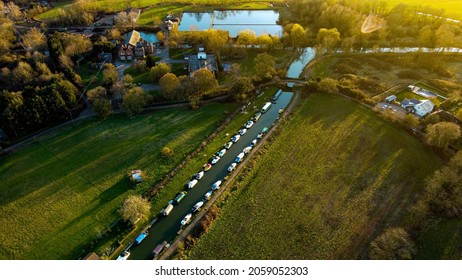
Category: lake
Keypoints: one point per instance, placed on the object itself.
(259, 21)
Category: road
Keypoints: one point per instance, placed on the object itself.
(166, 228)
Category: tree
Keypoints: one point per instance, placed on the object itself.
(134, 101)
(204, 80)
(6, 34)
(13, 10)
(265, 66)
(328, 85)
(186, 87)
(265, 40)
(246, 38)
(160, 36)
(241, 87)
(159, 70)
(169, 84)
(459, 114)
(442, 134)
(295, 36)
(110, 75)
(134, 208)
(102, 107)
(411, 121)
(167, 152)
(215, 40)
(23, 73)
(443, 192)
(97, 93)
(392, 244)
(328, 38)
(34, 40)
(127, 81)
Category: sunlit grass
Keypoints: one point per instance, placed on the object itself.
(57, 195)
(334, 178)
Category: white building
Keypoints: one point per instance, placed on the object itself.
(419, 107)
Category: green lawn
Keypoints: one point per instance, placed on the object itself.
(333, 179)
(159, 12)
(139, 77)
(57, 195)
(87, 74)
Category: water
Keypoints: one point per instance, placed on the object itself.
(150, 37)
(261, 21)
(296, 68)
(165, 228)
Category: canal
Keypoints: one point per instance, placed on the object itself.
(166, 228)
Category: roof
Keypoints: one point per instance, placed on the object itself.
(132, 37)
(427, 105)
(196, 63)
(92, 257)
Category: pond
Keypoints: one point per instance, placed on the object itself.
(259, 21)
(296, 68)
(149, 37)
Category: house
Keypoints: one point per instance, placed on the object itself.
(134, 47)
(202, 60)
(419, 107)
(125, 52)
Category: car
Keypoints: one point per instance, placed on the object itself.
(207, 195)
(207, 167)
(221, 153)
(216, 185)
(256, 116)
(236, 138)
(259, 135)
(179, 197)
(228, 145)
(249, 124)
(264, 130)
(242, 131)
(186, 219)
(199, 175)
(124, 256)
(232, 167)
(192, 183)
(141, 237)
(254, 142)
(197, 206)
(247, 149)
(239, 157)
(215, 159)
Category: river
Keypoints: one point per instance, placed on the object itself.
(166, 228)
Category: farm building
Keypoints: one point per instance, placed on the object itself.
(419, 107)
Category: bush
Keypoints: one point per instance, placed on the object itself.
(167, 152)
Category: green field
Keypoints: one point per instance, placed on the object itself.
(57, 195)
(110, 6)
(334, 178)
(453, 8)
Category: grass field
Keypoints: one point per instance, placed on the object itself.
(57, 195)
(453, 8)
(333, 179)
(111, 6)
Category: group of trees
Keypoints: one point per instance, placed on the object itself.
(402, 25)
(202, 82)
(36, 107)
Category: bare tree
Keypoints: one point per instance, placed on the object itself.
(134, 208)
